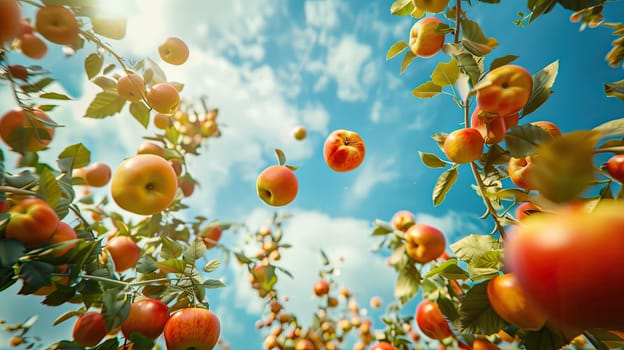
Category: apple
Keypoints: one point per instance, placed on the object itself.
(277, 185)
(63, 233)
(300, 133)
(32, 46)
(173, 51)
(424, 243)
(10, 18)
(187, 185)
(32, 222)
(145, 184)
(562, 259)
(124, 252)
(431, 6)
(375, 302)
(162, 121)
(483, 344)
(151, 148)
(549, 127)
(89, 329)
(24, 131)
(131, 87)
(147, 317)
(210, 235)
(507, 89)
(304, 344)
(431, 322)
(192, 328)
(492, 128)
(382, 345)
(463, 145)
(57, 24)
(526, 209)
(519, 170)
(424, 41)
(163, 98)
(95, 175)
(176, 164)
(321, 287)
(402, 220)
(18, 72)
(209, 127)
(615, 167)
(344, 150)
(510, 302)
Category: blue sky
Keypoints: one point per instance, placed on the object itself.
(271, 65)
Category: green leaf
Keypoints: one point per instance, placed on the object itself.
(615, 89)
(476, 48)
(609, 339)
(195, 251)
(170, 248)
(64, 344)
(546, 338)
(486, 266)
(65, 316)
(563, 167)
(521, 140)
(476, 315)
(407, 284)
(34, 275)
(61, 295)
(443, 185)
(242, 258)
(171, 266)
(447, 307)
(448, 269)
(115, 308)
(542, 87)
(501, 61)
(473, 246)
(472, 31)
(55, 96)
(93, 65)
(146, 264)
(36, 86)
(396, 49)
(81, 156)
(49, 188)
(105, 104)
(402, 7)
(445, 73)
(140, 112)
(281, 157)
(10, 252)
(172, 135)
(467, 63)
(158, 75)
(108, 344)
(431, 160)
(109, 68)
(382, 228)
(407, 59)
(427, 90)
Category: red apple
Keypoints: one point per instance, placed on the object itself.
(424, 243)
(277, 185)
(147, 317)
(344, 150)
(192, 328)
(431, 322)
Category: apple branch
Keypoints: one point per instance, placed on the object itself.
(457, 20)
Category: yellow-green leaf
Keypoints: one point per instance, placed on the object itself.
(401, 7)
(431, 160)
(105, 104)
(281, 157)
(501, 61)
(140, 112)
(445, 73)
(427, 90)
(55, 96)
(563, 167)
(93, 64)
(615, 89)
(443, 185)
(611, 128)
(396, 49)
(473, 246)
(81, 156)
(407, 283)
(407, 59)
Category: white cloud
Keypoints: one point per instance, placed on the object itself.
(309, 232)
(345, 63)
(375, 170)
(322, 14)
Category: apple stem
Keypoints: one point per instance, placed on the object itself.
(457, 20)
(595, 341)
(10, 189)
